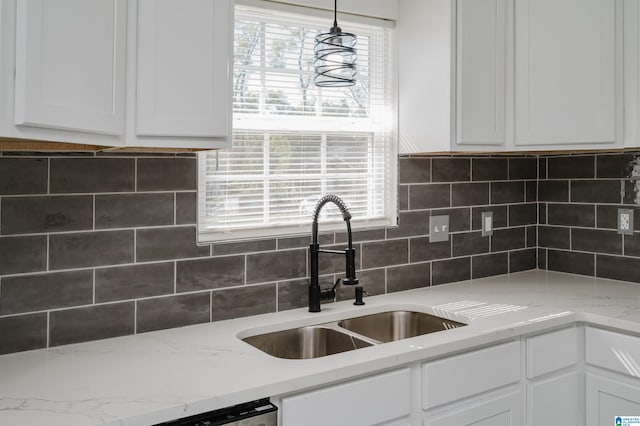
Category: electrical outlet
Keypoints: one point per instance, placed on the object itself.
(487, 224)
(438, 228)
(625, 221)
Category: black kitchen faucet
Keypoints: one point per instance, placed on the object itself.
(316, 294)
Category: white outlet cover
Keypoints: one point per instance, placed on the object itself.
(487, 224)
(625, 221)
(438, 228)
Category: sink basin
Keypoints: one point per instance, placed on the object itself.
(330, 338)
(306, 342)
(396, 325)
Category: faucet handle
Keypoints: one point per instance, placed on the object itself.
(329, 293)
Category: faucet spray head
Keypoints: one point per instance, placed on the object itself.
(335, 200)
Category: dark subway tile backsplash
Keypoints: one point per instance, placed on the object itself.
(23, 332)
(490, 168)
(276, 266)
(30, 215)
(523, 214)
(86, 249)
(429, 196)
(186, 203)
(415, 170)
(469, 194)
(30, 293)
(167, 174)
(103, 245)
(614, 165)
(23, 176)
(450, 270)
(572, 262)
(571, 215)
(553, 190)
(522, 260)
(450, 169)
(596, 241)
(134, 281)
(209, 273)
(168, 243)
(134, 210)
(243, 301)
(91, 175)
(489, 265)
(507, 192)
(469, 243)
(173, 311)
(523, 168)
(91, 323)
(385, 253)
(595, 191)
(23, 254)
(571, 166)
(407, 277)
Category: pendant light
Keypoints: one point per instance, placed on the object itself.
(335, 56)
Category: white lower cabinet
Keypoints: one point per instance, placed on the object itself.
(373, 400)
(453, 388)
(608, 399)
(612, 377)
(451, 379)
(573, 376)
(553, 381)
(501, 411)
(554, 400)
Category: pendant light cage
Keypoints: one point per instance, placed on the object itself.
(335, 56)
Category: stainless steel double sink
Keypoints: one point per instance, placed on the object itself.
(348, 334)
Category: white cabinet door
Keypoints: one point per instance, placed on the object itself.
(568, 68)
(607, 399)
(452, 65)
(70, 65)
(472, 373)
(502, 411)
(551, 351)
(184, 68)
(363, 402)
(555, 400)
(424, 34)
(480, 72)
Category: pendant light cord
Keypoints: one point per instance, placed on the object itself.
(335, 13)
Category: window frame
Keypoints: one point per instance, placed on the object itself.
(263, 231)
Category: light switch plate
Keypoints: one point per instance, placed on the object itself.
(625, 221)
(438, 228)
(487, 224)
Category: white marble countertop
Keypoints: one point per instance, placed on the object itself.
(159, 376)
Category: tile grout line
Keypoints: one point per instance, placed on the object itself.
(135, 316)
(48, 329)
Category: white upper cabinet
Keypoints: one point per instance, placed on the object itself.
(480, 72)
(498, 75)
(631, 73)
(452, 82)
(70, 65)
(183, 68)
(117, 73)
(568, 72)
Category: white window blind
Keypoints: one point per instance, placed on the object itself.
(294, 142)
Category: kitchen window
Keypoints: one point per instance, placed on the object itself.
(294, 142)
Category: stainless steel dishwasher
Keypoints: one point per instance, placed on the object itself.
(256, 413)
